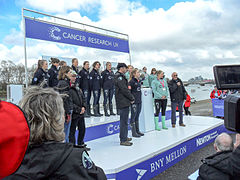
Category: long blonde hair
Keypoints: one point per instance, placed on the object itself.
(134, 71)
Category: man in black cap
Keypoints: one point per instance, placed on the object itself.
(124, 99)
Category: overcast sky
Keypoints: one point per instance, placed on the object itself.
(172, 35)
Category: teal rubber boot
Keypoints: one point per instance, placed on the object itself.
(156, 124)
(163, 123)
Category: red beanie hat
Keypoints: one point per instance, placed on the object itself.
(14, 138)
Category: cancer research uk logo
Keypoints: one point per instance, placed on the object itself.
(51, 33)
(140, 172)
(112, 128)
(145, 93)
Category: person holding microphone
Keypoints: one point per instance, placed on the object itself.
(135, 88)
(160, 91)
(178, 95)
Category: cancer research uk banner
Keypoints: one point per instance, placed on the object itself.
(50, 32)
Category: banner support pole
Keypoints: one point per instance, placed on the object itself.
(130, 59)
(25, 50)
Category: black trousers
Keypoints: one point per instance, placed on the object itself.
(108, 95)
(124, 124)
(96, 96)
(135, 112)
(187, 112)
(87, 95)
(77, 122)
(160, 104)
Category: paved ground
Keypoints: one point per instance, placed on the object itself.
(184, 168)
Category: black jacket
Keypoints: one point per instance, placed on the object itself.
(177, 93)
(78, 76)
(122, 94)
(78, 100)
(95, 80)
(233, 164)
(84, 79)
(53, 80)
(55, 160)
(39, 76)
(107, 79)
(135, 86)
(64, 87)
(214, 167)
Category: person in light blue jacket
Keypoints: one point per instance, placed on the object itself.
(152, 76)
(129, 71)
(160, 91)
(145, 78)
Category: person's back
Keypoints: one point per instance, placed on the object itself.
(212, 166)
(215, 167)
(57, 160)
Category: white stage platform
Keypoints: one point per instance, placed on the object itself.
(156, 151)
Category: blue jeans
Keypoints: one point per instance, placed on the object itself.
(67, 130)
(108, 95)
(180, 108)
(135, 112)
(87, 95)
(124, 124)
(96, 96)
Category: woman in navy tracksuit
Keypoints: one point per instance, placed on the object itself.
(53, 72)
(95, 87)
(41, 76)
(108, 88)
(135, 87)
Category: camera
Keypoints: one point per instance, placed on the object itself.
(228, 77)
